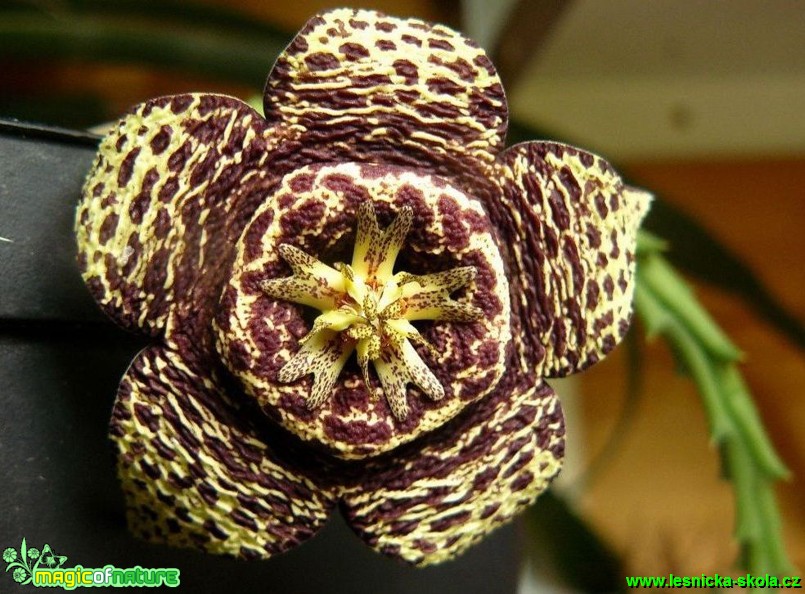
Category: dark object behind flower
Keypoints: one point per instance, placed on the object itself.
(182, 219)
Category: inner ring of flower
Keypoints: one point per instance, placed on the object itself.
(367, 308)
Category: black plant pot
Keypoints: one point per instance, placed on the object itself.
(60, 363)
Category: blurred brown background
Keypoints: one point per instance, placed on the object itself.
(700, 102)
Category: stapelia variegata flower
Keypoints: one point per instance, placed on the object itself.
(354, 299)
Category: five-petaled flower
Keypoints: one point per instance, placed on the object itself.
(374, 211)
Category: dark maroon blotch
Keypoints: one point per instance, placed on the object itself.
(444, 86)
(407, 70)
(412, 40)
(108, 228)
(302, 183)
(322, 61)
(161, 140)
(150, 470)
(356, 24)
(353, 51)
(385, 26)
(385, 45)
(441, 44)
(127, 167)
(180, 103)
(215, 530)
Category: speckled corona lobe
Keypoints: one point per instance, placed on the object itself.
(198, 214)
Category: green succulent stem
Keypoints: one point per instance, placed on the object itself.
(667, 307)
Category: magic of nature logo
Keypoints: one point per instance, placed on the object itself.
(42, 567)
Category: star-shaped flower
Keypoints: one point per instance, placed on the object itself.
(373, 210)
(368, 309)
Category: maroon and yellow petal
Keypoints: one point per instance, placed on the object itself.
(572, 224)
(434, 498)
(258, 333)
(365, 86)
(170, 191)
(198, 473)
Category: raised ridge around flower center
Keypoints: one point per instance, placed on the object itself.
(420, 300)
(367, 308)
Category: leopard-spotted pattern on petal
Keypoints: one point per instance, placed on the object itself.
(183, 218)
(169, 193)
(197, 473)
(572, 226)
(372, 87)
(316, 209)
(434, 500)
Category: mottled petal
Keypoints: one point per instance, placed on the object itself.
(571, 224)
(446, 492)
(171, 189)
(365, 86)
(198, 473)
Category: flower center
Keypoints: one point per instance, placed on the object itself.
(367, 308)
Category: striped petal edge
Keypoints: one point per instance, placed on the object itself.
(197, 473)
(572, 226)
(366, 86)
(441, 495)
(170, 191)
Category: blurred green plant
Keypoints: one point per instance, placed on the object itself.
(185, 36)
(223, 44)
(668, 308)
